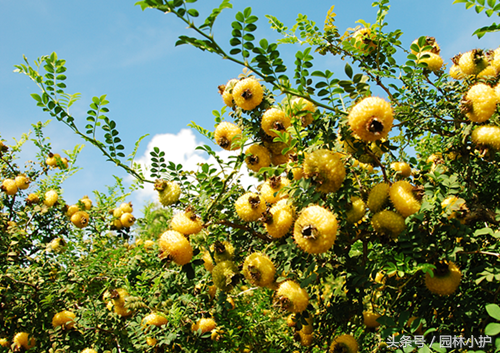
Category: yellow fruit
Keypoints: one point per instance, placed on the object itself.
(292, 297)
(176, 247)
(308, 327)
(187, 222)
(9, 187)
(489, 72)
(72, 210)
(22, 182)
(403, 198)
(118, 298)
(326, 169)
(250, 207)
(388, 223)
(279, 220)
(279, 159)
(226, 92)
(300, 106)
(122, 311)
(345, 344)
(274, 119)
(495, 62)
(291, 320)
(86, 202)
(168, 191)
(212, 290)
(378, 197)
(365, 41)
(207, 261)
(149, 244)
(204, 324)
(453, 205)
(456, 73)
(4, 342)
(370, 319)
(315, 230)
(371, 119)
(117, 212)
(480, 103)
(80, 219)
(154, 319)
(50, 198)
(487, 136)
(224, 275)
(65, 319)
(272, 191)
(401, 168)
(32, 199)
(227, 136)
(222, 250)
(51, 160)
(248, 94)
(429, 41)
(127, 220)
(257, 157)
(306, 339)
(259, 270)
(151, 341)
(24, 340)
(434, 61)
(473, 62)
(357, 210)
(55, 245)
(117, 224)
(447, 277)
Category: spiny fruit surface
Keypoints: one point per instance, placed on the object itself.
(473, 62)
(9, 186)
(447, 277)
(480, 103)
(456, 73)
(204, 324)
(32, 199)
(378, 196)
(371, 119)
(280, 219)
(357, 210)
(301, 105)
(364, 41)
(154, 319)
(24, 340)
(487, 136)
(292, 297)
(326, 168)
(50, 198)
(401, 168)
(187, 222)
(489, 72)
(80, 219)
(250, 207)
(388, 223)
(403, 198)
(175, 246)
(168, 192)
(225, 275)
(22, 182)
(434, 61)
(64, 318)
(370, 319)
(259, 270)
(248, 93)
(226, 134)
(315, 230)
(272, 186)
(344, 344)
(222, 250)
(274, 119)
(257, 156)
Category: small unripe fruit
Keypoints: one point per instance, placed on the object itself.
(168, 191)
(4, 342)
(225, 275)
(357, 210)
(300, 105)
(388, 223)
(222, 250)
(365, 41)
(378, 197)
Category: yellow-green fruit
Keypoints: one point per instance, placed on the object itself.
(250, 207)
(225, 275)
(473, 62)
(226, 92)
(259, 270)
(186, 222)
(434, 61)
(292, 297)
(51, 160)
(279, 159)
(371, 119)
(149, 244)
(300, 105)
(257, 156)
(274, 119)
(127, 220)
(280, 219)
(401, 168)
(315, 230)
(388, 223)
(207, 261)
(22, 182)
(151, 341)
(370, 319)
(378, 196)
(344, 344)
(88, 203)
(50, 198)
(306, 339)
(487, 136)
(403, 198)
(4, 342)
(176, 247)
(168, 191)
(226, 135)
(24, 340)
(80, 219)
(122, 311)
(447, 277)
(9, 186)
(154, 319)
(452, 205)
(89, 350)
(456, 73)
(65, 319)
(248, 93)
(326, 169)
(357, 210)
(429, 41)
(308, 327)
(118, 297)
(55, 245)
(272, 191)
(222, 250)
(480, 103)
(204, 324)
(364, 41)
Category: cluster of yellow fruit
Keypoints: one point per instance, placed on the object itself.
(78, 212)
(476, 63)
(54, 160)
(122, 216)
(429, 56)
(153, 319)
(11, 186)
(115, 300)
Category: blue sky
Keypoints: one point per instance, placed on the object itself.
(155, 88)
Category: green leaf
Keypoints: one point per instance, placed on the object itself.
(193, 12)
(348, 70)
(493, 310)
(492, 329)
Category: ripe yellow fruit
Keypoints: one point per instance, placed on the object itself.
(187, 222)
(117, 212)
(365, 41)
(250, 207)
(248, 93)
(434, 61)
(275, 119)
(292, 297)
(272, 191)
(226, 92)
(357, 210)
(65, 319)
(86, 202)
(168, 191)
(154, 319)
(326, 169)
(447, 278)
(222, 250)
(151, 341)
(489, 72)
(371, 119)
(315, 230)
(473, 62)
(207, 261)
(456, 73)
(452, 205)
(22, 182)
(176, 247)
(280, 219)
(32, 199)
(257, 156)
(149, 244)
(54, 160)
(344, 343)
(227, 135)
(403, 198)
(306, 339)
(401, 168)
(487, 136)
(127, 220)
(23, 340)
(204, 324)
(308, 327)
(279, 159)
(224, 275)
(259, 270)
(4, 342)
(388, 223)
(55, 245)
(300, 106)
(479, 103)
(370, 319)
(72, 210)
(9, 187)
(429, 41)
(378, 197)
(50, 198)
(80, 219)
(118, 298)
